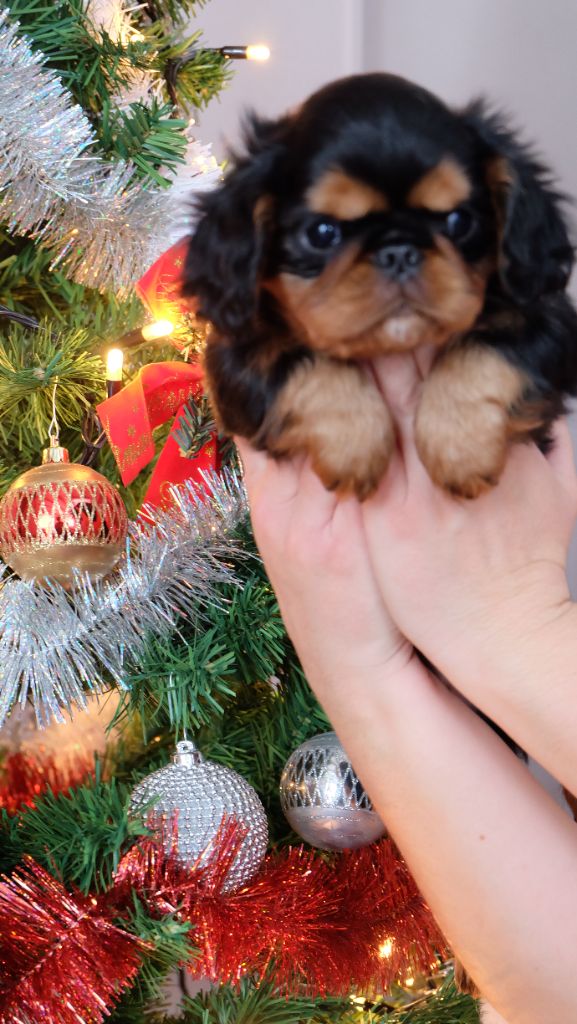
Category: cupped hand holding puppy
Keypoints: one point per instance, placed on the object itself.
(479, 586)
(476, 829)
(317, 560)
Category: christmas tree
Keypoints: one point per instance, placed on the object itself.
(120, 871)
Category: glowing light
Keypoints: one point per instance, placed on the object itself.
(409, 981)
(157, 329)
(114, 362)
(257, 51)
(386, 949)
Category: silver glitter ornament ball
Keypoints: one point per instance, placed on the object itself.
(200, 794)
(324, 800)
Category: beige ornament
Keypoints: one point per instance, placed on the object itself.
(61, 518)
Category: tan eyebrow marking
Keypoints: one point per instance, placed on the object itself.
(343, 197)
(442, 188)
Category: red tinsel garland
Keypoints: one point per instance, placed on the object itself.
(62, 960)
(356, 922)
(24, 778)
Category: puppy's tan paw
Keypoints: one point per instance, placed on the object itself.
(333, 412)
(466, 463)
(464, 419)
(354, 472)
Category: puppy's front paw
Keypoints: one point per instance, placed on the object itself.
(463, 462)
(333, 413)
(354, 465)
(465, 418)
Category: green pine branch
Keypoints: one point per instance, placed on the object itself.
(31, 363)
(79, 835)
(249, 1003)
(186, 679)
(89, 62)
(169, 944)
(175, 10)
(196, 74)
(29, 284)
(149, 136)
(197, 426)
(96, 68)
(445, 1006)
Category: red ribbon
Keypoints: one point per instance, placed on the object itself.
(158, 392)
(159, 288)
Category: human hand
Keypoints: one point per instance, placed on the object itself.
(314, 550)
(461, 576)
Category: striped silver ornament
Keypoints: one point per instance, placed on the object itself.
(323, 798)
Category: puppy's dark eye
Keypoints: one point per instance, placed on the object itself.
(458, 225)
(323, 234)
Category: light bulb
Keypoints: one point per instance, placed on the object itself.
(386, 949)
(157, 329)
(257, 51)
(114, 361)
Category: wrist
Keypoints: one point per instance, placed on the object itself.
(522, 621)
(355, 694)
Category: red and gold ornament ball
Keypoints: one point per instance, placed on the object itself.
(61, 518)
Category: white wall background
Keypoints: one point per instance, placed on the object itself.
(522, 54)
(312, 42)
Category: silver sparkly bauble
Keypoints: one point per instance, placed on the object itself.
(324, 800)
(200, 794)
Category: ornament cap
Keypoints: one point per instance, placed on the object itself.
(55, 453)
(187, 754)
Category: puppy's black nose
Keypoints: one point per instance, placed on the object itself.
(399, 262)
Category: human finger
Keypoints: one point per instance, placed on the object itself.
(314, 504)
(272, 485)
(400, 383)
(400, 377)
(254, 463)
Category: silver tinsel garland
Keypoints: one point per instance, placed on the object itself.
(55, 646)
(104, 226)
(43, 133)
(111, 241)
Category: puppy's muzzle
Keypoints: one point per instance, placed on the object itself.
(399, 262)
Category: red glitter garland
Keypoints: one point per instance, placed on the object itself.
(23, 778)
(62, 960)
(355, 922)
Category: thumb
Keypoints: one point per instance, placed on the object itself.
(399, 378)
(254, 463)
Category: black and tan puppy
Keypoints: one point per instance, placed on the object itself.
(372, 220)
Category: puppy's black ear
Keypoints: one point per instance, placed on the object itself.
(226, 251)
(535, 253)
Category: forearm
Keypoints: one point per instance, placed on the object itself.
(525, 679)
(495, 857)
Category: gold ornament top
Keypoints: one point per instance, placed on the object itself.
(55, 453)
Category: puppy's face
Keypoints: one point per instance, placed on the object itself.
(389, 238)
(371, 220)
